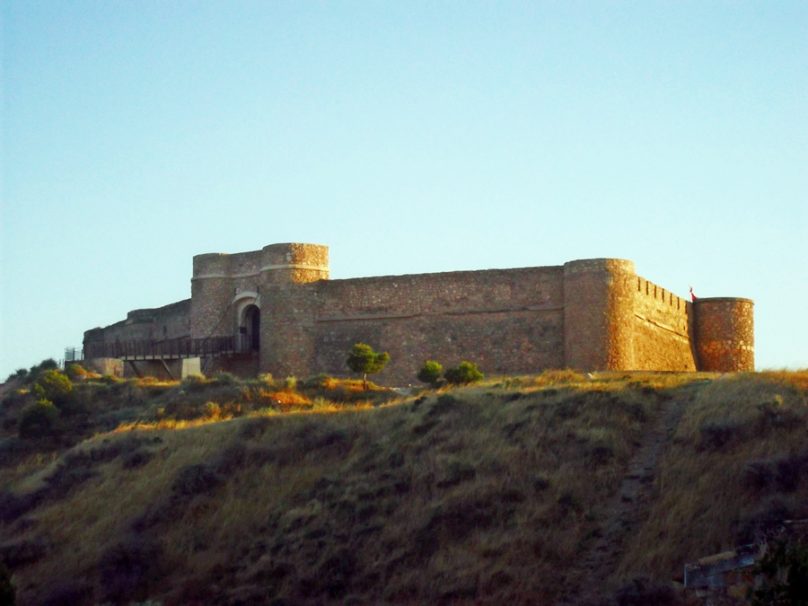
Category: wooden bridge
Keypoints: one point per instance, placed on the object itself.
(166, 349)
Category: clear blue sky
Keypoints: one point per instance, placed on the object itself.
(408, 136)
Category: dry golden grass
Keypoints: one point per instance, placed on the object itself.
(420, 483)
(480, 494)
(707, 501)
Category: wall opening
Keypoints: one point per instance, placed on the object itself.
(250, 329)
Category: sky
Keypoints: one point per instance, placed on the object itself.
(409, 137)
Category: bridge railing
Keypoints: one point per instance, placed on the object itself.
(184, 347)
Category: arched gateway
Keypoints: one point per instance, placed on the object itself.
(250, 329)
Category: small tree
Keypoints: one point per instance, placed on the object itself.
(47, 364)
(363, 359)
(20, 374)
(430, 372)
(465, 372)
(54, 386)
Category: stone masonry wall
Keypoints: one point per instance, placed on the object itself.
(161, 323)
(662, 325)
(590, 314)
(504, 320)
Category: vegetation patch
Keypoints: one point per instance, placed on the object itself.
(211, 491)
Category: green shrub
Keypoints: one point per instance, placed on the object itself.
(430, 372)
(225, 378)
(20, 373)
(267, 379)
(193, 382)
(38, 419)
(53, 385)
(290, 383)
(364, 360)
(318, 381)
(37, 369)
(213, 410)
(466, 372)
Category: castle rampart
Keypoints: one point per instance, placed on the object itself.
(663, 325)
(157, 324)
(287, 317)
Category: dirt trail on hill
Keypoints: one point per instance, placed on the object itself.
(622, 514)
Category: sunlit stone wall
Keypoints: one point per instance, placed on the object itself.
(590, 314)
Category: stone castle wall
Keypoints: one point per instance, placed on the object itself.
(662, 326)
(158, 324)
(507, 321)
(593, 314)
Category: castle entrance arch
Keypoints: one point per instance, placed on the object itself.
(252, 328)
(248, 322)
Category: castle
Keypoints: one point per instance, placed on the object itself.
(276, 310)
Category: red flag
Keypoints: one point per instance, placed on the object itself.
(693, 296)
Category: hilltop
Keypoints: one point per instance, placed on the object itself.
(554, 488)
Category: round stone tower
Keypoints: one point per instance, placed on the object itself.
(294, 263)
(599, 314)
(289, 276)
(724, 334)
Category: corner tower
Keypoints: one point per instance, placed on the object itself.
(598, 314)
(724, 334)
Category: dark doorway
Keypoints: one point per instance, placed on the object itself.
(252, 327)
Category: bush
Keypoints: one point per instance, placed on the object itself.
(34, 372)
(20, 373)
(53, 385)
(192, 383)
(267, 379)
(319, 381)
(213, 410)
(466, 372)
(430, 372)
(719, 436)
(225, 378)
(129, 569)
(76, 372)
(38, 419)
(195, 479)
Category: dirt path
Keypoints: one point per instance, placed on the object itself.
(622, 514)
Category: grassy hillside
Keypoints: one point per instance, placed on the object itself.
(557, 488)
